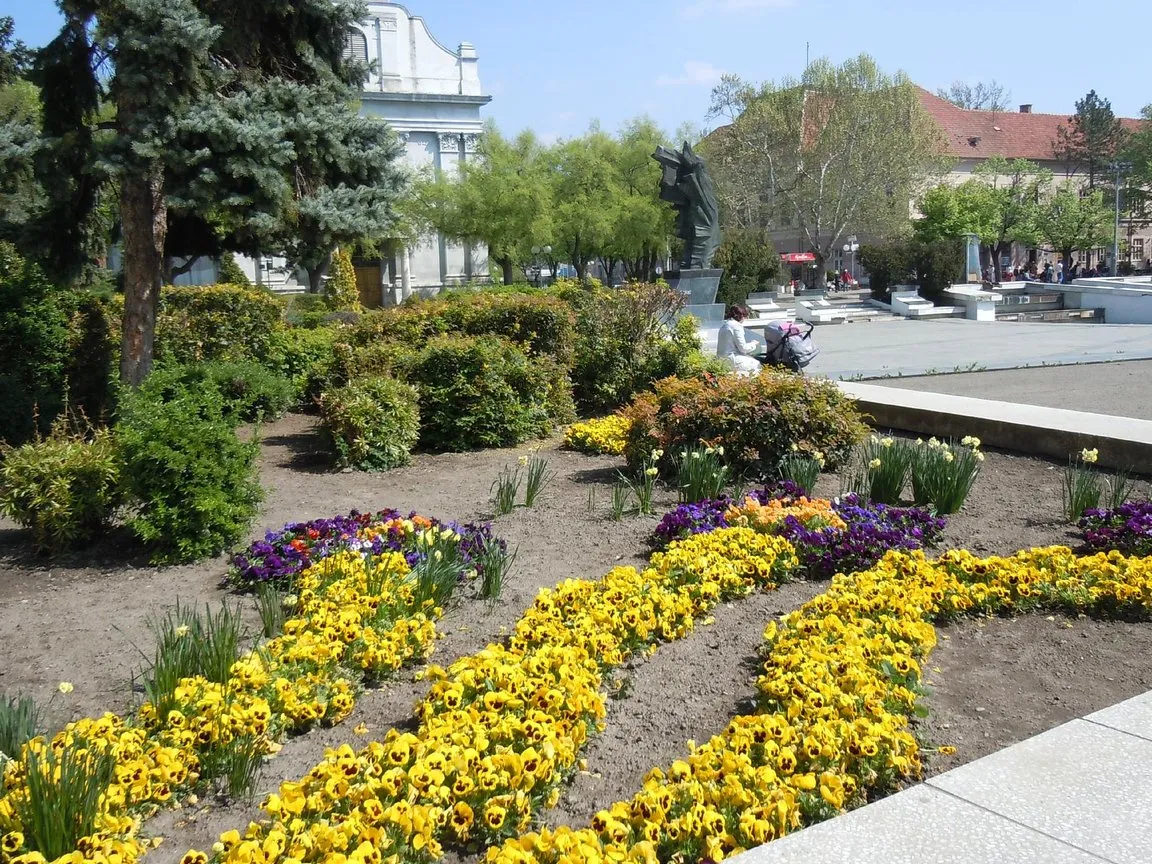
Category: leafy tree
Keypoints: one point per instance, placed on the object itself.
(584, 192)
(19, 134)
(982, 97)
(502, 199)
(1091, 139)
(257, 137)
(749, 260)
(1018, 188)
(841, 147)
(1069, 221)
(642, 222)
(15, 58)
(949, 211)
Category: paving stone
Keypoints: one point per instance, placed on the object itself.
(1133, 716)
(1084, 784)
(918, 826)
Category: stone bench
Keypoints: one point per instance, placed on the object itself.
(911, 305)
(979, 304)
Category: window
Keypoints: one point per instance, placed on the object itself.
(356, 46)
(1136, 250)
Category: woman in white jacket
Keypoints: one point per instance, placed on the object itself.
(732, 345)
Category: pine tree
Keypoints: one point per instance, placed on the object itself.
(238, 118)
(1091, 138)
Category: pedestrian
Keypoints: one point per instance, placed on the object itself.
(734, 346)
(1060, 271)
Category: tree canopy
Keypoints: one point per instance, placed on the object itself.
(842, 147)
(590, 198)
(981, 97)
(1091, 139)
(241, 117)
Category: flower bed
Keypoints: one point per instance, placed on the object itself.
(606, 435)
(841, 682)
(843, 537)
(284, 554)
(501, 730)
(360, 610)
(1127, 529)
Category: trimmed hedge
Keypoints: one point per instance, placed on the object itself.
(538, 324)
(215, 322)
(192, 481)
(247, 391)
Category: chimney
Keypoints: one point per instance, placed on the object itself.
(1026, 109)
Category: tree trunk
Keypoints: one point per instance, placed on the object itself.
(144, 216)
(507, 270)
(997, 253)
(316, 272)
(170, 272)
(578, 262)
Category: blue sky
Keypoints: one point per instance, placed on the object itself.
(556, 66)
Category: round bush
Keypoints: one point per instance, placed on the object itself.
(757, 420)
(478, 392)
(64, 488)
(371, 423)
(192, 480)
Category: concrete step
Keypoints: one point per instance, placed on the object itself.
(1054, 316)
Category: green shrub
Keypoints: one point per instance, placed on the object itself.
(193, 482)
(64, 488)
(756, 420)
(372, 423)
(307, 311)
(748, 260)
(304, 357)
(248, 392)
(58, 347)
(215, 322)
(626, 338)
(483, 391)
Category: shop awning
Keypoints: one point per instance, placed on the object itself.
(798, 257)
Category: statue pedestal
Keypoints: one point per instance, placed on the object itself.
(699, 286)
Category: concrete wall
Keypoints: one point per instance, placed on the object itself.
(1123, 301)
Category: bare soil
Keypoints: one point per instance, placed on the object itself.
(82, 618)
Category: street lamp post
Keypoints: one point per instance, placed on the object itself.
(851, 247)
(1119, 168)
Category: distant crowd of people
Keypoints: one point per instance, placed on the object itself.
(1053, 273)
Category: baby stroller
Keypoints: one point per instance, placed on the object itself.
(787, 345)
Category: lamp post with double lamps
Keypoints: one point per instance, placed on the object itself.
(852, 247)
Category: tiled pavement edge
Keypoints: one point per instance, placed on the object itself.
(1077, 794)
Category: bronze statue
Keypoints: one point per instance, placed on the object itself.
(688, 187)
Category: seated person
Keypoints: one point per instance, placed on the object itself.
(732, 345)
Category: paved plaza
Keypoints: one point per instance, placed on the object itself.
(900, 347)
(1078, 794)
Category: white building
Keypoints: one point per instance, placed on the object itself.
(432, 97)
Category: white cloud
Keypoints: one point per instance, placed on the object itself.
(701, 8)
(696, 73)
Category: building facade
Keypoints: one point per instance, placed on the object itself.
(432, 97)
